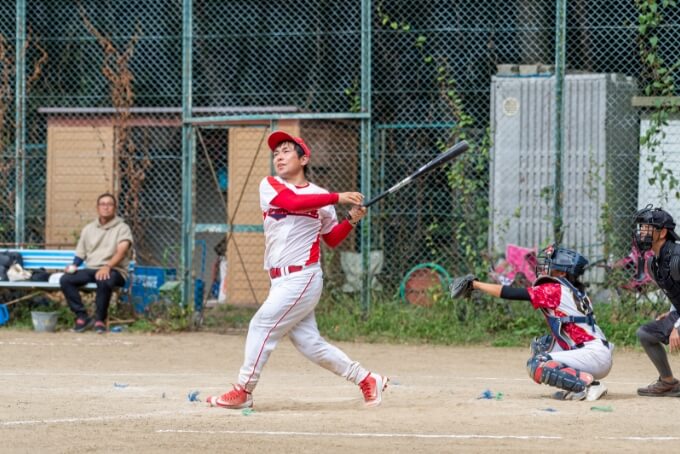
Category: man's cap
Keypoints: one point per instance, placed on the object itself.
(659, 218)
(276, 137)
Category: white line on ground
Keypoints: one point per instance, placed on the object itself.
(401, 435)
(105, 343)
(32, 422)
(360, 435)
(395, 379)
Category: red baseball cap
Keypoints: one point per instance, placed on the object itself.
(276, 137)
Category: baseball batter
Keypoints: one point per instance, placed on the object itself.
(297, 216)
(576, 354)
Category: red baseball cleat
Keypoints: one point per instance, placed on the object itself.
(372, 387)
(234, 399)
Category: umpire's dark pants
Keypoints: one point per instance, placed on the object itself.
(71, 283)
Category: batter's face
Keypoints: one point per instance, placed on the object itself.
(287, 163)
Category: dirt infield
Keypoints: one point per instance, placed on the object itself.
(68, 392)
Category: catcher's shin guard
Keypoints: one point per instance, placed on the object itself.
(543, 369)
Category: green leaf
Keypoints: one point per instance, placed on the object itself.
(406, 27)
(394, 25)
(428, 59)
(654, 40)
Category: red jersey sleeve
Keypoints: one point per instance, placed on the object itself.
(546, 295)
(338, 234)
(289, 200)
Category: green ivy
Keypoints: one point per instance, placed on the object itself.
(468, 177)
(660, 82)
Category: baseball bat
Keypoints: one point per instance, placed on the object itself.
(453, 152)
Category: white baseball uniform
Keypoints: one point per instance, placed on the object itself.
(292, 255)
(578, 345)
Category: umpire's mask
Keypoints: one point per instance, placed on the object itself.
(649, 219)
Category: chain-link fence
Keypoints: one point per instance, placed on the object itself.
(377, 89)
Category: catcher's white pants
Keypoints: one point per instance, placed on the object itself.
(594, 357)
(289, 309)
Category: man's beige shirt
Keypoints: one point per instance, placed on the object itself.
(98, 243)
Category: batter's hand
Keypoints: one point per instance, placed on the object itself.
(350, 198)
(674, 341)
(356, 213)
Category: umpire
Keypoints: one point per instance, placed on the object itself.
(655, 230)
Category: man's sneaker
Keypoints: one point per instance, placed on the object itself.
(372, 387)
(595, 391)
(234, 399)
(99, 327)
(82, 325)
(661, 388)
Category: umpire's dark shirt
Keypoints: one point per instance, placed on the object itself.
(660, 268)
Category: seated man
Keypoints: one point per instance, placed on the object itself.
(104, 245)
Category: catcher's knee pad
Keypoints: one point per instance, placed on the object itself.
(542, 344)
(543, 369)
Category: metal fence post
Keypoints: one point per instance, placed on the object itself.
(560, 50)
(20, 124)
(187, 155)
(366, 145)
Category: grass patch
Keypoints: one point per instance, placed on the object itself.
(480, 320)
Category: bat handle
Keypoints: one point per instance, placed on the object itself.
(374, 199)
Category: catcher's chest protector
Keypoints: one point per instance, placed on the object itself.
(666, 272)
(577, 307)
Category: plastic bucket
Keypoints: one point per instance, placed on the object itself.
(44, 321)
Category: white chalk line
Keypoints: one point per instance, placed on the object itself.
(106, 343)
(33, 422)
(395, 380)
(399, 435)
(107, 374)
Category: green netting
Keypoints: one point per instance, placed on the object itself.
(440, 72)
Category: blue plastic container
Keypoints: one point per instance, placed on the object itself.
(146, 284)
(4, 314)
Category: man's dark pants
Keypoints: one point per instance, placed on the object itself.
(71, 283)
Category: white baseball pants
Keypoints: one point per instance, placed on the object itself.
(594, 357)
(289, 309)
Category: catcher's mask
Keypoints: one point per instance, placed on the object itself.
(656, 218)
(560, 259)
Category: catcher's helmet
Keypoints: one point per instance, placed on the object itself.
(561, 259)
(657, 218)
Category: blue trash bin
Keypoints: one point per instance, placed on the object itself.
(146, 284)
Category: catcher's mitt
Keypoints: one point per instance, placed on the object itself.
(461, 287)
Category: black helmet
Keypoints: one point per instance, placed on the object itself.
(657, 218)
(561, 259)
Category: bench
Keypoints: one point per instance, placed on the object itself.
(51, 260)
(54, 261)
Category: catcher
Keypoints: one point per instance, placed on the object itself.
(576, 354)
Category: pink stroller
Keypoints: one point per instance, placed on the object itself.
(517, 268)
